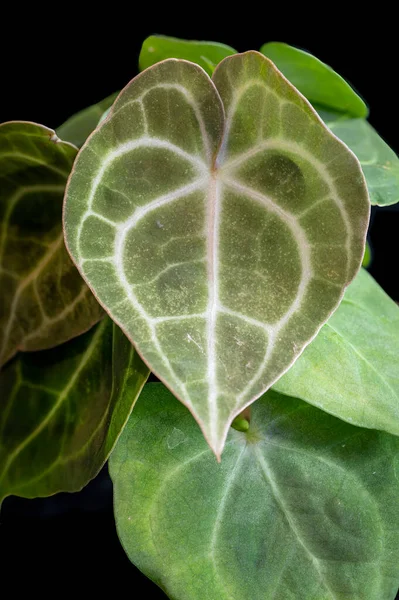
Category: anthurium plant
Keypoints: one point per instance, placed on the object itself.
(210, 230)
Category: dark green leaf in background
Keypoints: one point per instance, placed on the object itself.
(62, 410)
(368, 256)
(43, 299)
(315, 80)
(206, 54)
(302, 507)
(78, 127)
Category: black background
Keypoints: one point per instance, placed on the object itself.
(54, 63)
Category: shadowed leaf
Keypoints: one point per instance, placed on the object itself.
(302, 507)
(43, 300)
(78, 127)
(61, 411)
(218, 222)
(368, 257)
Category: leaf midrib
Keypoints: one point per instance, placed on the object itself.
(219, 515)
(64, 174)
(41, 265)
(280, 502)
(62, 397)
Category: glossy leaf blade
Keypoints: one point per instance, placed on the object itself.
(205, 54)
(218, 244)
(318, 82)
(379, 163)
(43, 300)
(77, 128)
(303, 506)
(351, 369)
(62, 410)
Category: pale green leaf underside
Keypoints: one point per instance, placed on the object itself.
(379, 162)
(302, 507)
(315, 80)
(77, 128)
(351, 368)
(205, 54)
(62, 410)
(219, 244)
(43, 301)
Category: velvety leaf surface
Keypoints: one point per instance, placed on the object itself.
(206, 54)
(62, 410)
(78, 127)
(303, 506)
(379, 163)
(316, 80)
(43, 299)
(219, 244)
(351, 369)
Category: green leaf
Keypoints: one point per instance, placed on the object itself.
(351, 368)
(219, 245)
(78, 127)
(61, 411)
(43, 301)
(303, 506)
(379, 163)
(206, 54)
(368, 257)
(316, 80)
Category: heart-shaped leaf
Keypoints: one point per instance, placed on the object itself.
(317, 81)
(206, 54)
(219, 244)
(351, 368)
(78, 127)
(303, 506)
(379, 163)
(43, 300)
(62, 410)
